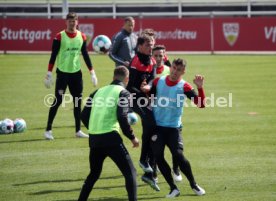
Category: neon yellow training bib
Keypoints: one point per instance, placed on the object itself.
(103, 116)
(166, 71)
(68, 59)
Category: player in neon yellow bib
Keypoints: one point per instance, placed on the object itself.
(103, 115)
(67, 47)
(68, 59)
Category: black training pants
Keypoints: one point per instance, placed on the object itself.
(149, 129)
(75, 84)
(120, 156)
(173, 139)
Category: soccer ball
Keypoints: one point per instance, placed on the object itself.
(132, 118)
(19, 125)
(101, 44)
(6, 127)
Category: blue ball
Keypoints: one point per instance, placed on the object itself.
(132, 118)
(19, 125)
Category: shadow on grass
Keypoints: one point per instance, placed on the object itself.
(106, 188)
(100, 199)
(43, 128)
(16, 141)
(48, 181)
(64, 180)
(35, 140)
(71, 190)
(162, 195)
(151, 198)
(54, 191)
(107, 199)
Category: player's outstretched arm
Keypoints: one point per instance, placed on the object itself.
(198, 99)
(198, 81)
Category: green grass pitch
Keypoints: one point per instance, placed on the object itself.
(232, 149)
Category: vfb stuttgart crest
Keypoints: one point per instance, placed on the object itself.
(88, 30)
(231, 32)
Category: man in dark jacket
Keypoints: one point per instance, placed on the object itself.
(124, 44)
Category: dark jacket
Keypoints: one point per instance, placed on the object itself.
(123, 47)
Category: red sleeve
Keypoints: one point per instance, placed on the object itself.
(58, 37)
(50, 67)
(83, 36)
(155, 81)
(187, 87)
(199, 99)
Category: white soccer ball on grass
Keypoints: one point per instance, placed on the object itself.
(6, 126)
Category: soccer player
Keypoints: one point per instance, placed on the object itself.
(142, 68)
(103, 119)
(151, 32)
(168, 108)
(161, 69)
(158, 53)
(124, 43)
(66, 48)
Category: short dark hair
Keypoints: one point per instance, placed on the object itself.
(120, 73)
(158, 47)
(144, 38)
(128, 19)
(72, 16)
(179, 61)
(149, 32)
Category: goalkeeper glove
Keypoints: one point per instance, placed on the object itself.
(94, 78)
(48, 80)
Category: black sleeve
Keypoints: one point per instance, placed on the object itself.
(85, 114)
(153, 90)
(55, 50)
(132, 78)
(122, 111)
(152, 75)
(191, 94)
(168, 63)
(86, 56)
